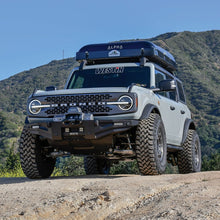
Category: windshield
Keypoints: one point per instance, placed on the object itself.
(110, 77)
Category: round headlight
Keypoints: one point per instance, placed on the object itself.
(35, 107)
(126, 102)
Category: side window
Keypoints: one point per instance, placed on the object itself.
(172, 95)
(159, 77)
(181, 92)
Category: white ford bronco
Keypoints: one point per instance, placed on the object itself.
(122, 102)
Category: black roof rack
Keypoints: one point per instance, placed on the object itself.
(127, 51)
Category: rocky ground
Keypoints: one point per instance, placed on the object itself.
(190, 196)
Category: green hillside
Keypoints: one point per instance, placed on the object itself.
(198, 58)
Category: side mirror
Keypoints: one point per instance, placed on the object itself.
(50, 88)
(167, 85)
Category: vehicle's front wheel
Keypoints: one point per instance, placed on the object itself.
(189, 159)
(33, 158)
(151, 147)
(95, 165)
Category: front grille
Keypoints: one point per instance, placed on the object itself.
(88, 109)
(85, 109)
(89, 103)
(78, 98)
(57, 110)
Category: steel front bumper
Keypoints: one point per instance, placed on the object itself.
(88, 128)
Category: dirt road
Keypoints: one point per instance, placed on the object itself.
(191, 196)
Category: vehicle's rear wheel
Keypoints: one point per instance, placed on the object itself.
(151, 147)
(33, 158)
(95, 165)
(189, 159)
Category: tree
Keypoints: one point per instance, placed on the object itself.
(211, 164)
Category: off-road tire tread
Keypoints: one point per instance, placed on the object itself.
(94, 165)
(29, 157)
(145, 147)
(90, 165)
(185, 157)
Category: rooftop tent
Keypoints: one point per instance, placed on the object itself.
(127, 51)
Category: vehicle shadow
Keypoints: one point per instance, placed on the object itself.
(14, 180)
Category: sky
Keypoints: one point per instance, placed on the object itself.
(33, 33)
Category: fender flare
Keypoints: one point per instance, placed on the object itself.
(189, 124)
(148, 109)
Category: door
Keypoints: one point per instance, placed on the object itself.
(172, 111)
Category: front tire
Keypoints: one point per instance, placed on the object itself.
(151, 147)
(33, 159)
(189, 159)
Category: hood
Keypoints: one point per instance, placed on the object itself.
(80, 91)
